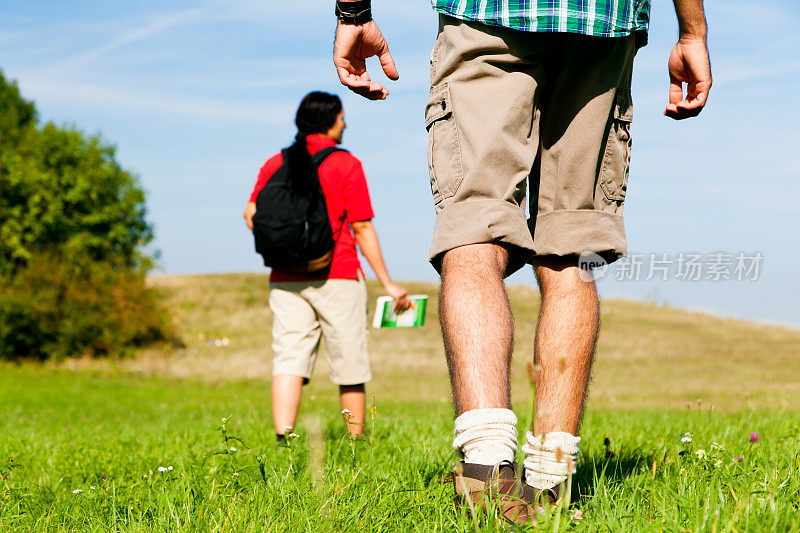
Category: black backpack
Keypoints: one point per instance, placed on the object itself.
(292, 230)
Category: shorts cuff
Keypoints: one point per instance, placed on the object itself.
(285, 370)
(481, 221)
(351, 381)
(572, 232)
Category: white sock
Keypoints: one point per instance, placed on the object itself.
(486, 436)
(550, 458)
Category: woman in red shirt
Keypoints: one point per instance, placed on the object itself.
(333, 302)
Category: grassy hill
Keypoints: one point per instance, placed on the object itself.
(649, 355)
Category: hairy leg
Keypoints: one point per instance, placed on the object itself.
(477, 326)
(565, 344)
(286, 393)
(353, 398)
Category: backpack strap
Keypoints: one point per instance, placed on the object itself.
(323, 154)
(317, 160)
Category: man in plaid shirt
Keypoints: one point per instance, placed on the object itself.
(530, 100)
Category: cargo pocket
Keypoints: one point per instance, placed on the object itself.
(617, 158)
(444, 151)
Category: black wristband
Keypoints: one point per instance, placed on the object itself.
(358, 12)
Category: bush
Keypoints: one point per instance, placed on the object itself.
(20, 331)
(57, 309)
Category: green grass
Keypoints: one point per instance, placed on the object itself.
(110, 424)
(63, 431)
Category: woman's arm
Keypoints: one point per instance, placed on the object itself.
(367, 239)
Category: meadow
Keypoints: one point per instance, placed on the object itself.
(693, 425)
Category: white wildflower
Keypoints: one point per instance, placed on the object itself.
(77, 491)
(686, 437)
(91, 488)
(293, 435)
(345, 411)
(169, 468)
(701, 454)
(162, 469)
(234, 449)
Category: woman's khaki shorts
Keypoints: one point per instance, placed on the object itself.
(506, 105)
(303, 312)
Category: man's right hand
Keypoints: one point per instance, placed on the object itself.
(354, 44)
(249, 211)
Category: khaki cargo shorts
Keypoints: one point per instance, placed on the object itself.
(511, 111)
(304, 312)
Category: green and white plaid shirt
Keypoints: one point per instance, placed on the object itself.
(601, 18)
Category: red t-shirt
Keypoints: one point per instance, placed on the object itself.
(345, 188)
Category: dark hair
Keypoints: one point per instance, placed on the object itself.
(316, 114)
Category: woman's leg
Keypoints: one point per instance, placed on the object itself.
(354, 399)
(286, 393)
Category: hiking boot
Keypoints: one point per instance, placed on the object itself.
(475, 485)
(543, 499)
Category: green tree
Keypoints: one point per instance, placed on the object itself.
(72, 231)
(61, 191)
(17, 115)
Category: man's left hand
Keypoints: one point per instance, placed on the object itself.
(688, 63)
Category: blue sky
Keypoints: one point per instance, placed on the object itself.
(196, 94)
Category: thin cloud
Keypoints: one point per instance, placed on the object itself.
(736, 74)
(159, 24)
(10, 36)
(120, 99)
(315, 12)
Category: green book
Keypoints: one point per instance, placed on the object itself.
(413, 317)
